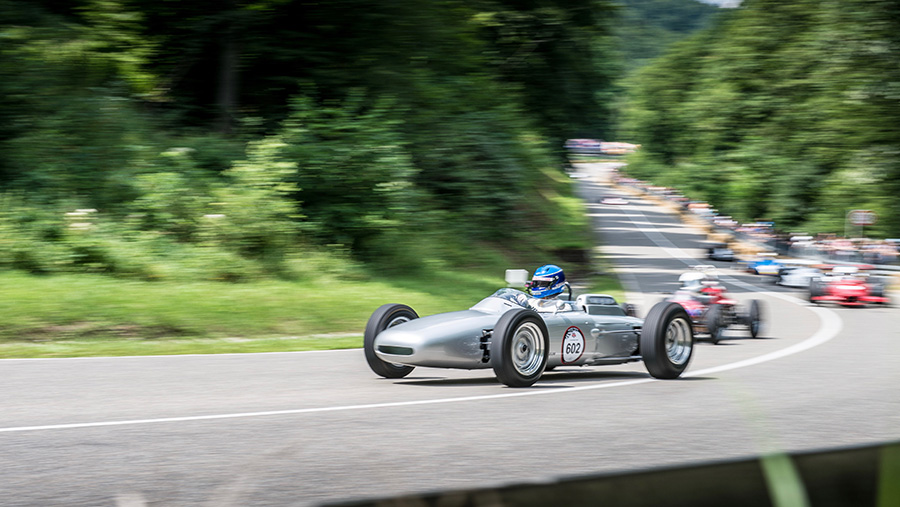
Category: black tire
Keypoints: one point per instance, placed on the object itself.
(667, 340)
(386, 316)
(520, 345)
(754, 318)
(714, 320)
(815, 290)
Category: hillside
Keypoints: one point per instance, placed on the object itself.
(784, 111)
(226, 139)
(648, 27)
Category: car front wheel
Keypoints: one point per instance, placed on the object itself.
(754, 318)
(715, 323)
(384, 317)
(519, 348)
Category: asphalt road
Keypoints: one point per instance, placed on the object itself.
(317, 427)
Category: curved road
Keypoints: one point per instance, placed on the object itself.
(316, 427)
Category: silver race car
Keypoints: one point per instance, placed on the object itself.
(520, 337)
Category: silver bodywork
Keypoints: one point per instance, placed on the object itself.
(721, 254)
(798, 277)
(462, 339)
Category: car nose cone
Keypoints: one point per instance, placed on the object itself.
(450, 340)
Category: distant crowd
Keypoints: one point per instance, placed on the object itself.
(828, 247)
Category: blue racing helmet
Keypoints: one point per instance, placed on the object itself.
(547, 281)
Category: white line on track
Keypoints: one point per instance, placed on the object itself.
(677, 253)
(830, 326)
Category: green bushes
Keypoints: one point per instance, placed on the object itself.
(409, 145)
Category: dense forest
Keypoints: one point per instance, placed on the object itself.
(646, 28)
(784, 111)
(228, 138)
(231, 140)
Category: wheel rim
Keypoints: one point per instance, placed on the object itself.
(397, 321)
(528, 349)
(678, 341)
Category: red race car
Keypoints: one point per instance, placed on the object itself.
(709, 307)
(847, 286)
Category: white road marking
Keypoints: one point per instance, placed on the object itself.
(830, 326)
(677, 253)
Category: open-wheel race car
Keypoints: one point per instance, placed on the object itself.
(848, 286)
(521, 337)
(764, 264)
(710, 309)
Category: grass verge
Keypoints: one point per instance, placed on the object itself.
(94, 315)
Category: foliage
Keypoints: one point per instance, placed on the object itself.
(227, 141)
(782, 110)
(560, 55)
(648, 27)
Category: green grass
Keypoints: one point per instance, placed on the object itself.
(441, 270)
(95, 315)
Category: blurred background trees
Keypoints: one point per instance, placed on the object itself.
(784, 111)
(230, 139)
(252, 129)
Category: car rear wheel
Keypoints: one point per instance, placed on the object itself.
(667, 340)
(815, 290)
(520, 345)
(385, 317)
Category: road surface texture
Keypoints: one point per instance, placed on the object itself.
(317, 427)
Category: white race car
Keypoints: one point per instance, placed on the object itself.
(799, 277)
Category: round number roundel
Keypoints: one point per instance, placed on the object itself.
(573, 345)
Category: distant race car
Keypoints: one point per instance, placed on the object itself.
(797, 276)
(720, 252)
(847, 286)
(711, 311)
(521, 337)
(613, 201)
(764, 264)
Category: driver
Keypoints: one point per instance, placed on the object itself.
(546, 285)
(548, 282)
(698, 285)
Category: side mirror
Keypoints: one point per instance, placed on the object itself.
(516, 277)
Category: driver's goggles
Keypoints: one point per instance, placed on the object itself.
(541, 283)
